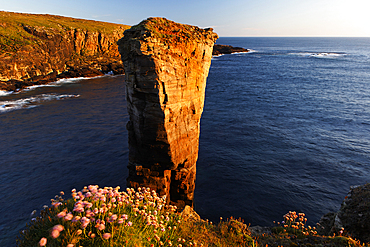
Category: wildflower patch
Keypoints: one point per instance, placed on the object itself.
(106, 217)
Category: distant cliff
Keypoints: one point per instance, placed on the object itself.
(227, 49)
(35, 49)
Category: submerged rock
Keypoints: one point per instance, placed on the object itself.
(166, 66)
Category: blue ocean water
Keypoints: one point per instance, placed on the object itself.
(285, 127)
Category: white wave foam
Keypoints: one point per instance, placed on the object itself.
(4, 93)
(219, 55)
(10, 105)
(242, 52)
(71, 80)
(319, 54)
(327, 54)
(57, 83)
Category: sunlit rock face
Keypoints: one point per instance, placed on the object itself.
(166, 67)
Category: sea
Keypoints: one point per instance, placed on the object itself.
(285, 127)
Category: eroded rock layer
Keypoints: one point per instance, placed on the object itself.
(166, 66)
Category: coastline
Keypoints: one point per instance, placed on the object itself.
(114, 68)
(39, 49)
(93, 77)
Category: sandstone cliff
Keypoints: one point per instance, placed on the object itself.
(166, 67)
(39, 48)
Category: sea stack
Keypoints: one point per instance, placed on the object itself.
(166, 66)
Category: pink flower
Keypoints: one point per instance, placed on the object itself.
(106, 235)
(61, 214)
(89, 213)
(43, 241)
(124, 217)
(120, 221)
(101, 227)
(56, 204)
(93, 188)
(69, 216)
(129, 223)
(112, 218)
(78, 208)
(85, 221)
(58, 228)
(55, 233)
(76, 219)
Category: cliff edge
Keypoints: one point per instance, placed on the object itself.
(36, 49)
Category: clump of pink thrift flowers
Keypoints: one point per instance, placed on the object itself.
(101, 216)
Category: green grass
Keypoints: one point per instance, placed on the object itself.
(13, 34)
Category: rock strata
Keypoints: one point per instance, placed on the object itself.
(166, 66)
(37, 49)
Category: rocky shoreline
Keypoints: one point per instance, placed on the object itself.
(115, 68)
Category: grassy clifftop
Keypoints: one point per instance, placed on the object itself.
(13, 34)
(35, 49)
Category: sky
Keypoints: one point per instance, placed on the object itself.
(228, 18)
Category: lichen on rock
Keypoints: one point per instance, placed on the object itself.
(166, 66)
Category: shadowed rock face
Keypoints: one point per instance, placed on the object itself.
(166, 67)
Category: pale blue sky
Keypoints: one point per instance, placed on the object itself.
(227, 17)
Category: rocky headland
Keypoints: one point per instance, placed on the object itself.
(37, 49)
(166, 66)
(227, 49)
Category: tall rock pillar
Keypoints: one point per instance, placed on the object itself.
(166, 66)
